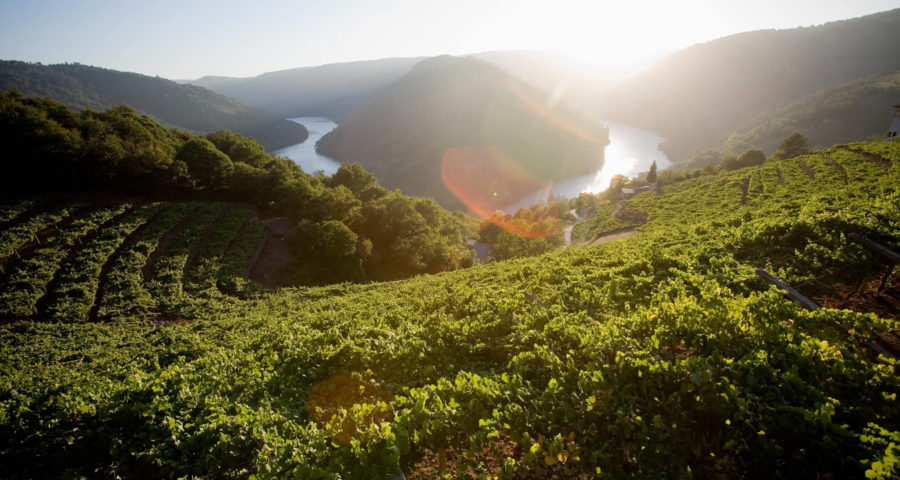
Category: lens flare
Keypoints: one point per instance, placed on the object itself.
(526, 143)
(547, 111)
(486, 180)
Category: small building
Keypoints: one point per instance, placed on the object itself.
(630, 192)
(895, 125)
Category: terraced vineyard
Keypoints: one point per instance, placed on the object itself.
(80, 262)
(663, 355)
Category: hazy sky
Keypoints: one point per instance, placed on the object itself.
(184, 39)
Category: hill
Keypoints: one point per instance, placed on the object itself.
(840, 114)
(660, 355)
(339, 90)
(341, 228)
(579, 86)
(466, 133)
(334, 90)
(699, 96)
(192, 108)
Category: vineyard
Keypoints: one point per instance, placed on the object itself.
(134, 345)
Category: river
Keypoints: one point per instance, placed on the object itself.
(631, 150)
(304, 154)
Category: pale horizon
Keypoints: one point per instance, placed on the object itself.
(188, 41)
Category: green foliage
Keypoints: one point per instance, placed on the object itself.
(792, 146)
(207, 164)
(122, 151)
(651, 175)
(528, 232)
(661, 355)
(597, 218)
(748, 158)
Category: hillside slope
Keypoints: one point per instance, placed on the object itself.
(460, 123)
(661, 355)
(192, 108)
(839, 114)
(700, 95)
(339, 90)
(335, 90)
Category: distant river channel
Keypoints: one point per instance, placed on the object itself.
(304, 154)
(631, 150)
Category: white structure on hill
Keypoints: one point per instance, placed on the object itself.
(895, 125)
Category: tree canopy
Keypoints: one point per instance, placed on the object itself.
(350, 223)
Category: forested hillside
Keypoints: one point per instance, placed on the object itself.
(844, 113)
(462, 119)
(348, 227)
(660, 355)
(699, 96)
(191, 108)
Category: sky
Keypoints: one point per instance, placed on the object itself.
(185, 39)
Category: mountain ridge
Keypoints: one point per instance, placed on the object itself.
(190, 107)
(698, 96)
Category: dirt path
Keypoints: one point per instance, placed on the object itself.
(807, 169)
(198, 245)
(840, 168)
(42, 235)
(745, 190)
(567, 234)
(272, 267)
(25, 215)
(111, 260)
(163, 244)
(71, 251)
(614, 235)
(870, 295)
(882, 162)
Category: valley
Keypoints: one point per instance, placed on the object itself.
(611, 241)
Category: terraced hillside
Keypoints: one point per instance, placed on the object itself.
(661, 355)
(78, 262)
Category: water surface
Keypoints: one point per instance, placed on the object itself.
(304, 154)
(631, 150)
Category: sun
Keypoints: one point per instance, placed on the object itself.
(611, 36)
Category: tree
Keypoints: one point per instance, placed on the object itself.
(616, 183)
(205, 163)
(748, 158)
(792, 146)
(651, 175)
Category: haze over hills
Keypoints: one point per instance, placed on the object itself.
(184, 106)
(553, 72)
(697, 97)
(450, 112)
(334, 91)
(339, 90)
(839, 114)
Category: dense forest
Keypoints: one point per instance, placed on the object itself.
(449, 114)
(699, 96)
(184, 106)
(372, 233)
(129, 350)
